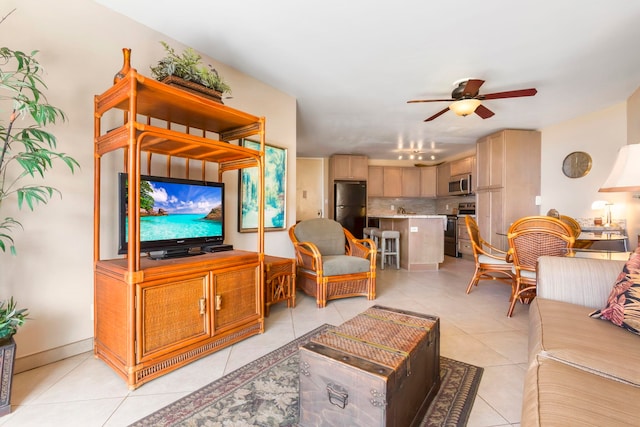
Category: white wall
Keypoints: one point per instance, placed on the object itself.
(600, 134)
(80, 46)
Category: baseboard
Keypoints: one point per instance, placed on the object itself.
(46, 357)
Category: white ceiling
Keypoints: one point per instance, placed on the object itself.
(353, 64)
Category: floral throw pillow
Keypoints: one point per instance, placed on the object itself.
(623, 305)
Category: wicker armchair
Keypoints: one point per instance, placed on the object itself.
(491, 263)
(530, 238)
(331, 262)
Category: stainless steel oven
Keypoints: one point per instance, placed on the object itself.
(455, 230)
(463, 240)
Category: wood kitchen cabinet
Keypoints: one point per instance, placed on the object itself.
(348, 167)
(396, 181)
(444, 173)
(154, 316)
(508, 170)
(461, 166)
(428, 180)
(375, 183)
(411, 182)
(392, 181)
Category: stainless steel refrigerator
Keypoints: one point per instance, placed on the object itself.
(350, 205)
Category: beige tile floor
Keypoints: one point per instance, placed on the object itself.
(83, 391)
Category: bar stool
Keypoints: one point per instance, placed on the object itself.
(388, 245)
(367, 233)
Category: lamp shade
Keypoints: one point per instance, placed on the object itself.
(625, 175)
(464, 107)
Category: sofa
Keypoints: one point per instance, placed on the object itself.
(582, 371)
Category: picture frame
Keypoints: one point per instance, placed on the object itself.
(275, 184)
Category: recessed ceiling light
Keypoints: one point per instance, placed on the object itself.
(433, 157)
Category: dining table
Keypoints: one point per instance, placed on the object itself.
(587, 238)
(598, 254)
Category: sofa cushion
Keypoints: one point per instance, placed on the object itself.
(556, 394)
(564, 332)
(623, 304)
(326, 234)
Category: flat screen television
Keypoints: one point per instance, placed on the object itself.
(176, 215)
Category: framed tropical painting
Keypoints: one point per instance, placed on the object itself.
(275, 184)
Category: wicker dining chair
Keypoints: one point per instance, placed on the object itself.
(331, 262)
(573, 225)
(530, 238)
(491, 263)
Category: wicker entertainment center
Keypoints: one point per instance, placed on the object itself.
(153, 316)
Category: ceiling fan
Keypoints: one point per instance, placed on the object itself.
(466, 99)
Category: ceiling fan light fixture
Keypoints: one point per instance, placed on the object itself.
(464, 107)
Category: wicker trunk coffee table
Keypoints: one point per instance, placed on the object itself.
(381, 368)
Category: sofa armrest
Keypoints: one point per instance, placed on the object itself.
(582, 281)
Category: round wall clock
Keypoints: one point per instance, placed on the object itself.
(576, 164)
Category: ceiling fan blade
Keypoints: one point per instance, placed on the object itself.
(509, 94)
(430, 100)
(484, 112)
(471, 88)
(436, 115)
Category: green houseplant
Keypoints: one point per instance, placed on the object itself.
(27, 150)
(11, 318)
(27, 153)
(189, 67)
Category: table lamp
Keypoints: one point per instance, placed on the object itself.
(625, 175)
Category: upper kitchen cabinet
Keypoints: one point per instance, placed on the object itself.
(428, 181)
(444, 173)
(461, 166)
(348, 167)
(411, 182)
(375, 184)
(490, 152)
(508, 170)
(392, 185)
(398, 181)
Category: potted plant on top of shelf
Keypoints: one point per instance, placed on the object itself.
(27, 152)
(189, 73)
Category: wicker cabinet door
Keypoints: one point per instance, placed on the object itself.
(172, 314)
(236, 297)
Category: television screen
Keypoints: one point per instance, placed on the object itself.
(175, 214)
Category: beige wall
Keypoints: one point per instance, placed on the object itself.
(600, 134)
(80, 46)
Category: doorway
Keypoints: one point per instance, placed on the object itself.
(309, 188)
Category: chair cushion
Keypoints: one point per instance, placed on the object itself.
(623, 305)
(525, 273)
(484, 259)
(326, 234)
(336, 265)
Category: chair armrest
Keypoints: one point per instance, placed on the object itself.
(308, 256)
(362, 248)
(582, 281)
(492, 251)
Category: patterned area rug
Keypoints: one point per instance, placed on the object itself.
(265, 393)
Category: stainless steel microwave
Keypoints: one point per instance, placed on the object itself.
(460, 184)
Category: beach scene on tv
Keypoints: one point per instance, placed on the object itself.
(178, 210)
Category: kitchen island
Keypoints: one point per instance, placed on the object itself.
(421, 239)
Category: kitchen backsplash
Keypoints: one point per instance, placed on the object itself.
(419, 205)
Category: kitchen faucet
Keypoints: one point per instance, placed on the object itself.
(401, 210)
